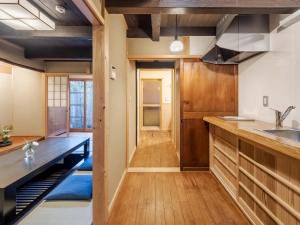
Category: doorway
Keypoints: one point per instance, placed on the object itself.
(81, 105)
(156, 147)
(150, 104)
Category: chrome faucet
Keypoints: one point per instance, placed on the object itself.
(280, 117)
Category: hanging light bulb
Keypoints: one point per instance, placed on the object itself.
(176, 45)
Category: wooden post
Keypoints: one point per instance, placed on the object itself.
(100, 209)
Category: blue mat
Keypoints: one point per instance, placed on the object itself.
(87, 165)
(74, 187)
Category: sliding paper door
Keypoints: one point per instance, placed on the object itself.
(57, 109)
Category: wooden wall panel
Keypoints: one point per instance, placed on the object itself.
(206, 90)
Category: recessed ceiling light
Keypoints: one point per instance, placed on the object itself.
(22, 15)
(19, 9)
(60, 9)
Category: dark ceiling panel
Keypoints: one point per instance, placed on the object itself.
(41, 44)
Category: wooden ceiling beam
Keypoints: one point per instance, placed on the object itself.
(165, 32)
(84, 32)
(132, 20)
(68, 53)
(155, 23)
(201, 6)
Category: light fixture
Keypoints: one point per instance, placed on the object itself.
(22, 15)
(60, 9)
(176, 45)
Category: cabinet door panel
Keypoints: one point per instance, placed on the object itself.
(195, 144)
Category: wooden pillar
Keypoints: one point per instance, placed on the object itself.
(100, 78)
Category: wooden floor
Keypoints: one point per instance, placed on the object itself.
(155, 150)
(190, 198)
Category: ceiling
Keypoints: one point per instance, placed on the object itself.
(153, 18)
(147, 26)
(71, 40)
(191, 20)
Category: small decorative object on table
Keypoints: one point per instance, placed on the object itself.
(29, 149)
(5, 136)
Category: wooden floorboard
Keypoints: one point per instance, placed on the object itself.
(189, 198)
(155, 150)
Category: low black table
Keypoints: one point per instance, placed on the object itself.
(16, 171)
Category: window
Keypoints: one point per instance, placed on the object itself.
(81, 105)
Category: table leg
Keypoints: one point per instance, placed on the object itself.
(7, 205)
(86, 149)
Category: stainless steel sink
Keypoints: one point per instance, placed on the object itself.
(285, 133)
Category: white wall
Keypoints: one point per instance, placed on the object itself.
(28, 102)
(6, 100)
(145, 46)
(117, 102)
(200, 45)
(274, 74)
(22, 100)
(131, 107)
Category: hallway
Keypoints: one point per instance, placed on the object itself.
(189, 198)
(155, 150)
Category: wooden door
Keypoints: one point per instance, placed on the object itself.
(206, 90)
(151, 104)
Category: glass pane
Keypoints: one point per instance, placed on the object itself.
(151, 91)
(50, 80)
(77, 104)
(63, 95)
(57, 87)
(57, 103)
(63, 87)
(151, 116)
(76, 122)
(63, 80)
(50, 103)
(50, 87)
(57, 80)
(63, 103)
(89, 104)
(50, 95)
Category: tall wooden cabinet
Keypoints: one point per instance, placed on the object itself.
(206, 90)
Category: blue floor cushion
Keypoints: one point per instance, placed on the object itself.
(74, 187)
(87, 165)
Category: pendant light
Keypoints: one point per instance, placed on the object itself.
(176, 45)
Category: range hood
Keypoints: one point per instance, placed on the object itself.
(239, 37)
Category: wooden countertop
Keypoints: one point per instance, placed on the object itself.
(18, 142)
(251, 131)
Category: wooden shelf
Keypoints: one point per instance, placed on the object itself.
(18, 142)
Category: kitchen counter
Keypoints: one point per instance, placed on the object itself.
(251, 131)
(258, 170)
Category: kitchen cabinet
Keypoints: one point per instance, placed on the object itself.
(262, 180)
